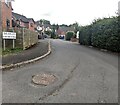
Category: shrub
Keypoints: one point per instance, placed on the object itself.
(69, 35)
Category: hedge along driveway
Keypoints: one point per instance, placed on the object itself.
(103, 34)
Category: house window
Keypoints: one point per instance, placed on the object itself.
(31, 24)
(8, 23)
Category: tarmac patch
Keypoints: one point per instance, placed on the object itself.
(43, 79)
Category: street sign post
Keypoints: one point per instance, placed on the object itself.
(9, 35)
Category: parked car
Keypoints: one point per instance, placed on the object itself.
(61, 36)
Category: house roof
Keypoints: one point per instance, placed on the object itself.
(45, 25)
(20, 17)
(65, 29)
(31, 19)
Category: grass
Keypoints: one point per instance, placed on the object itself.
(11, 51)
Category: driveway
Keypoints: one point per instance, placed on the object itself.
(83, 75)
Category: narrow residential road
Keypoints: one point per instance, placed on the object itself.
(84, 75)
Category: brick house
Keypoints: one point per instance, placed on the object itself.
(31, 24)
(6, 11)
(19, 20)
(22, 21)
(0, 15)
(63, 29)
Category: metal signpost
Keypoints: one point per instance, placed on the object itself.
(9, 35)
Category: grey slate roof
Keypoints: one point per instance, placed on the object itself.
(65, 29)
(20, 17)
(31, 19)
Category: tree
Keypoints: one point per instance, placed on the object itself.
(55, 26)
(43, 21)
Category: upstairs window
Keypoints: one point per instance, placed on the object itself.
(8, 23)
(31, 24)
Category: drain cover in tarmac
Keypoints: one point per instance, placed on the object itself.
(43, 79)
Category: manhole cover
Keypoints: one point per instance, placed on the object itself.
(43, 79)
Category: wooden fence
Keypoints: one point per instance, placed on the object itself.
(24, 38)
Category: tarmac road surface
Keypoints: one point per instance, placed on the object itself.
(83, 75)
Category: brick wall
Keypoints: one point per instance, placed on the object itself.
(0, 27)
(6, 14)
(22, 24)
(31, 25)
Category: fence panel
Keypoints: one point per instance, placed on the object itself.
(24, 38)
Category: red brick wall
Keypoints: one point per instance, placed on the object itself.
(31, 27)
(6, 14)
(22, 24)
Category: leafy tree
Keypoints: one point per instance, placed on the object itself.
(55, 26)
(43, 21)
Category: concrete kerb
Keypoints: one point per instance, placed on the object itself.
(28, 61)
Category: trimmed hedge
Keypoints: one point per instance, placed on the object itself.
(69, 35)
(102, 33)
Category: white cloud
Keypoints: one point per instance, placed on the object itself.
(66, 11)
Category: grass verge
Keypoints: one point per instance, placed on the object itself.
(11, 51)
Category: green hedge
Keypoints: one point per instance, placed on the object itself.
(102, 33)
(69, 35)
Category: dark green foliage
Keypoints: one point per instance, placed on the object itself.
(48, 32)
(85, 35)
(69, 35)
(53, 35)
(103, 33)
(43, 21)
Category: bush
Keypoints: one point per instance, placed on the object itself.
(48, 32)
(102, 33)
(69, 35)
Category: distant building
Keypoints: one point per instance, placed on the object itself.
(22, 21)
(19, 20)
(6, 11)
(31, 24)
(63, 29)
(40, 26)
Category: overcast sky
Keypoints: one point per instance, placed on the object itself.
(66, 11)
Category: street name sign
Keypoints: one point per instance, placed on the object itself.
(9, 35)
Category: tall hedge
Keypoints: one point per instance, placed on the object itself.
(85, 35)
(102, 33)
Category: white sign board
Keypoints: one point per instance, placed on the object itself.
(9, 35)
